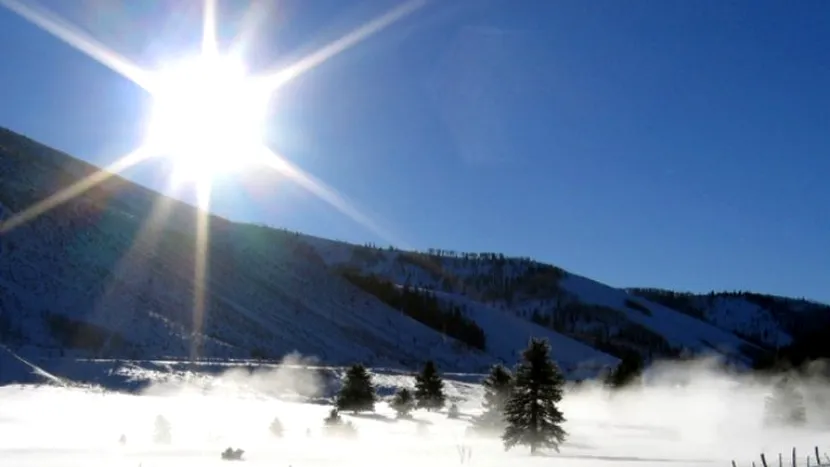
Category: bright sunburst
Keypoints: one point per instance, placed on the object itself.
(208, 116)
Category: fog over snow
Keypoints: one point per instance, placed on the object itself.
(685, 414)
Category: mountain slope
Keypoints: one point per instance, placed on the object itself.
(112, 273)
(768, 320)
(598, 315)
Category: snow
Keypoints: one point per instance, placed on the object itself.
(676, 327)
(118, 263)
(679, 330)
(507, 335)
(706, 423)
(739, 315)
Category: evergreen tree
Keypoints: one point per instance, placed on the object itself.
(403, 403)
(357, 394)
(629, 369)
(333, 418)
(334, 425)
(162, 434)
(532, 417)
(498, 386)
(429, 388)
(276, 428)
(785, 406)
(453, 412)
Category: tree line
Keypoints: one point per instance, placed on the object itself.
(424, 307)
(521, 407)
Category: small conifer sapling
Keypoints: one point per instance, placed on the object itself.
(403, 403)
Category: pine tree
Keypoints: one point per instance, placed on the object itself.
(785, 406)
(357, 393)
(333, 418)
(403, 403)
(162, 433)
(429, 388)
(532, 417)
(629, 369)
(334, 425)
(453, 412)
(276, 428)
(498, 386)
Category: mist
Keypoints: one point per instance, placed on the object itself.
(691, 413)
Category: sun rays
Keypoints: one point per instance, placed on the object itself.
(208, 118)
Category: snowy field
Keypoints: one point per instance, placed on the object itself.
(710, 421)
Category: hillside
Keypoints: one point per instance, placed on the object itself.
(105, 275)
(110, 273)
(598, 315)
(768, 320)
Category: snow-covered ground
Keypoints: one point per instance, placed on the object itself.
(709, 421)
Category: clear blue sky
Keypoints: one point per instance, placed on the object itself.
(681, 144)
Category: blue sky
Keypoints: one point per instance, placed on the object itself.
(681, 144)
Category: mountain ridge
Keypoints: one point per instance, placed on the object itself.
(99, 275)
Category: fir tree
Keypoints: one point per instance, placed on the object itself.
(498, 386)
(276, 428)
(403, 403)
(429, 388)
(629, 369)
(453, 412)
(333, 418)
(162, 433)
(357, 393)
(334, 425)
(532, 417)
(785, 406)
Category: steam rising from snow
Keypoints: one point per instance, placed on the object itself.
(691, 413)
(296, 377)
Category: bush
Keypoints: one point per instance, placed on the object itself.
(403, 403)
(334, 425)
(276, 428)
(453, 411)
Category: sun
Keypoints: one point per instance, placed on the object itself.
(208, 117)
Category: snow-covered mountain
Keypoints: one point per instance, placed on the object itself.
(604, 317)
(112, 273)
(105, 274)
(768, 320)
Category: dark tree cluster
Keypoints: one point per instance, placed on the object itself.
(635, 305)
(683, 302)
(359, 394)
(423, 307)
(578, 321)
